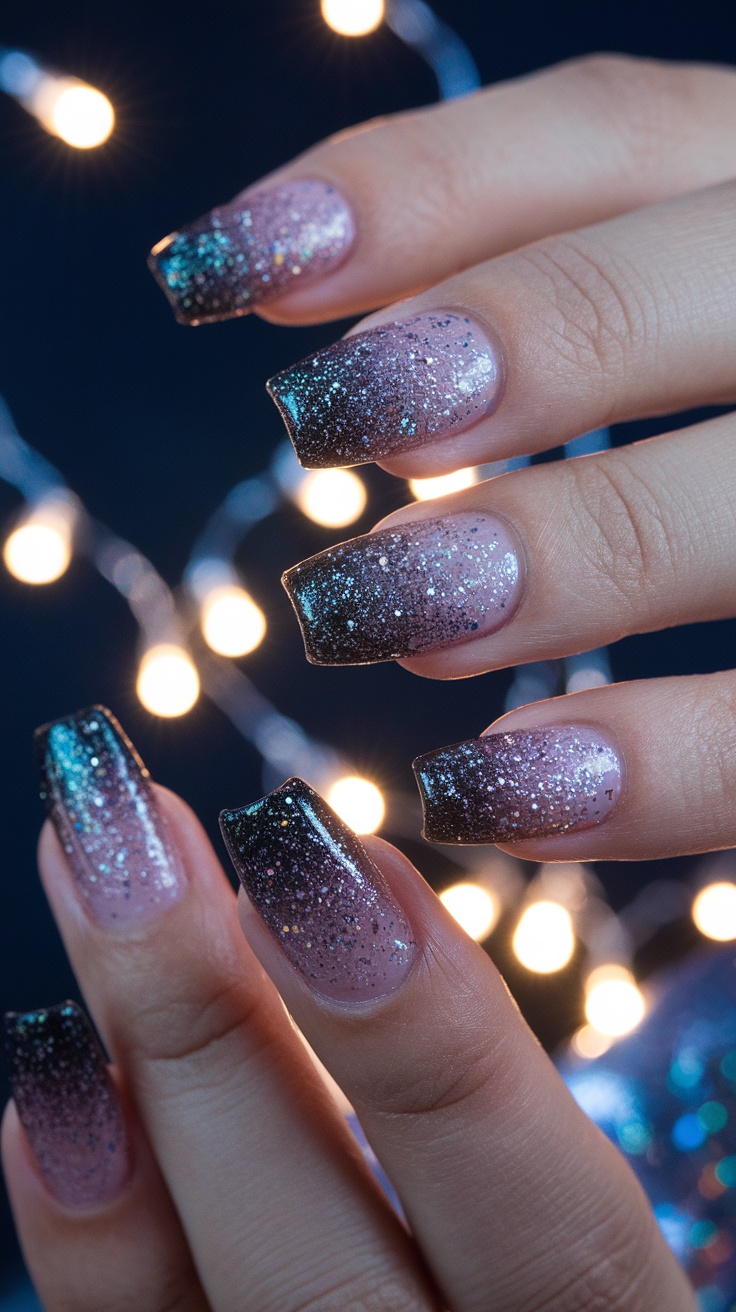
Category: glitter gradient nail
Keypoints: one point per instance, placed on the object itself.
(530, 784)
(319, 893)
(389, 389)
(420, 586)
(252, 250)
(68, 1104)
(98, 794)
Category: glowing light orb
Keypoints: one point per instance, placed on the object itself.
(474, 908)
(544, 939)
(589, 1043)
(424, 489)
(358, 802)
(168, 683)
(353, 17)
(614, 1004)
(37, 553)
(80, 115)
(714, 911)
(232, 624)
(332, 497)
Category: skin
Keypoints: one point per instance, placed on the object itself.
(617, 172)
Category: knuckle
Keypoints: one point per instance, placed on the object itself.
(369, 1292)
(714, 723)
(610, 1268)
(434, 1085)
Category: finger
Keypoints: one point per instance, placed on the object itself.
(278, 1206)
(544, 562)
(94, 1219)
(631, 317)
(373, 215)
(631, 772)
(514, 1197)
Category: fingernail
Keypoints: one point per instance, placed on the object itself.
(319, 893)
(420, 586)
(98, 795)
(389, 389)
(67, 1104)
(530, 784)
(252, 250)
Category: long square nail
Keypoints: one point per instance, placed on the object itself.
(389, 389)
(98, 795)
(319, 893)
(407, 589)
(532, 783)
(253, 250)
(67, 1103)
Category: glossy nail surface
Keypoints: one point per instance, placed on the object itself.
(319, 893)
(389, 389)
(67, 1103)
(98, 794)
(417, 587)
(253, 250)
(529, 784)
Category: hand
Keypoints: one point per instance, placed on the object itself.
(590, 211)
(214, 1170)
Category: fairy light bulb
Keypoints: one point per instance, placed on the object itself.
(589, 1043)
(358, 802)
(544, 939)
(714, 911)
(332, 497)
(168, 683)
(425, 489)
(474, 908)
(232, 623)
(37, 553)
(353, 17)
(614, 1004)
(79, 114)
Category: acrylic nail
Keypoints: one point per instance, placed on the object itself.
(319, 893)
(412, 588)
(532, 783)
(67, 1103)
(252, 250)
(98, 794)
(389, 389)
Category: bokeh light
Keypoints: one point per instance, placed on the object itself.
(614, 1004)
(353, 17)
(79, 114)
(475, 908)
(589, 1043)
(37, 552)
(714, 911)
(232, 623)
(544, 939)
(358, 802)
(332, 497)
(424, 489)
(168, 683)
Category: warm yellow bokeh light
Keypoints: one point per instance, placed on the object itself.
(544, 939)
(425, 489)
(476, 909)
(358, 802)
(614, 1004)
(353, 17)
(714, 911)
(332, 497)
(37, 553)
(168, 683)
(232, 624)
(82, 116)
(589, 1043)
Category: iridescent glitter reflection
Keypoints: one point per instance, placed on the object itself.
(407, 589)
(319, 893)
(530, 784)
(67, 1103)
(254, 249)
(99, 796)
(389, 389)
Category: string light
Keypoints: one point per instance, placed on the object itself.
(67, 108)
(714, 911)
(353, 17)
(40, 549)
(168, 683)
(474, 908)
(425, 489)
(332, 497)
(544, 939)
(614, 1004)
(358, 802)
(589, 1043)
(232, 623)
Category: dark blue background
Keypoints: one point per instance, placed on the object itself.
(152, 423)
